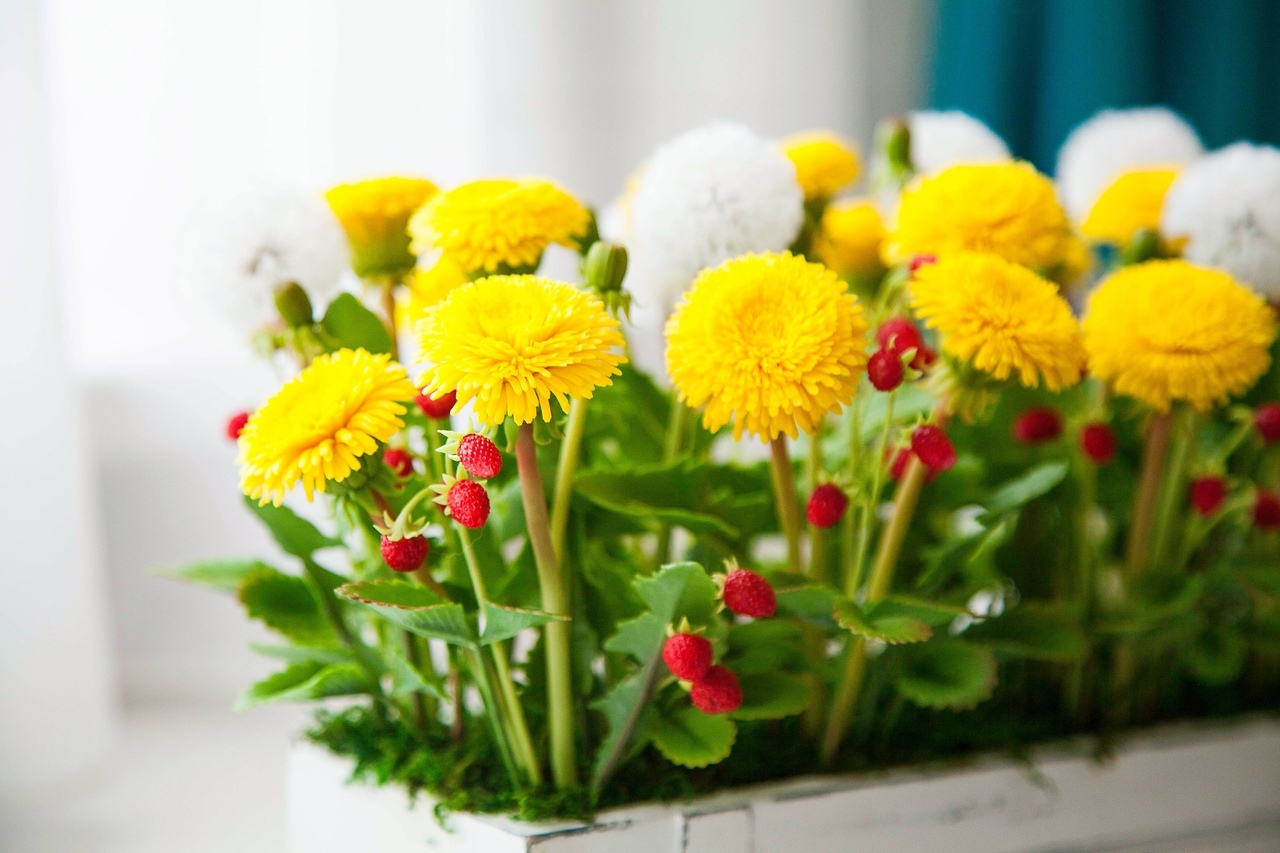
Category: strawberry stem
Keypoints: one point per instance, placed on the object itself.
(784, 493)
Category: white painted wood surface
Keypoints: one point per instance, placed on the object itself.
(1177, 790)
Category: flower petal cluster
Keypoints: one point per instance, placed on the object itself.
(825, 163)
(771, 342)
(1117, 141)
(709, 195)
(509, 344)
(316, 428)
(429, 286)
(497, 224)
(1008, 209)
(375, 214)
(1227, 206)
(941, 139)
(1166, 331)
(1001, 318)
(849, 237)
(1131, 203)
(241, 247)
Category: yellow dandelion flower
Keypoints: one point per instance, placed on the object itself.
(1008, 209)
(374, 214)
(1001, 318)
(511, 343)
(1165, 331)
(849, 237)
(771, 342)
(498, 225)
(825, 163)
(316, 428)
(428, 286)
(1129, 204)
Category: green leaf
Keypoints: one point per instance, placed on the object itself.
(414, 608)
(623, 704)
(303, 654)
(223, 575)
(690, 738)
(771, 696)
(350, 325)
(1039, 631)
(946, 673)
(671, 492)
(813, 604)
(1021, 490)
(896, 619)
(763, 645)
(295, 536)
(407, 679)
(305, 682)
(286, 605)
(503, 623)
(1217, 656)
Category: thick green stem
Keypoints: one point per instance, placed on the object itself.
(1174, 490)
(1144, 504)
(784, 492)
(570, 452)
(676, 423)
(555, 600)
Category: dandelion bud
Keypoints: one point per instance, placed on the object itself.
(294, 305)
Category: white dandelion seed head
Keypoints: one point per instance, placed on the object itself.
(240, 247)
(944, 138)
(1117, 141)
(1227, 206)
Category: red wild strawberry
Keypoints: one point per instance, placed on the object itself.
(924, 358)
(933, 447)
(717, 693)
(468, 503)
(748, 594)
(405, 555)
(901, 459)
(1098, 441)
(884, 370)
(918, 261)
(1038, 425)
(1266, 512)
(826, 505)
(398, 460)
(437, 408)
(1208, 494)
(688, 656)
(1267, 419)
(479, 456)
(897, 335)
(236, 425)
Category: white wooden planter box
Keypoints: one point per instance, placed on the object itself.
(1181, 788)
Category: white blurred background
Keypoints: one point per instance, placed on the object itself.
(117, 117)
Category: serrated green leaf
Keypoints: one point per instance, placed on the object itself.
(1217, 656)
(407, 679)
(1023, 489)
(503, 623)
(350, 325)
(896, 619)
(624, 709)
(294, 535)
(222, 575)
(303, 654)
(690, 738)
(813, 604)
(1039, 631)
(945, 673)
(771, 696)
(414, 608)
(763, 645)
(306, 682)
(286, 605)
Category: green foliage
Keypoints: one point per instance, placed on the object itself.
(690, 738)
(347, 324)
(295, 535)
(305, 682)
(415, 609)
(287, 605)
(1039, 631)
(222, 575)
(945, 673)
(771, 696)
(896, 619)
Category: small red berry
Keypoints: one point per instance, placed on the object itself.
(924, 358)
(1266, 512)
(398, 460)
(437, 408)
(1098, 441)
(885, 370)
(748, 594)
(468, 503)
(688, 656)
(718, 692)
(1208, 494)
(236, 425)
(918, 261)
(897, 335)
(933, 447)
(405, 555)
(826, 505)
(898, 467)
(1038, 425)
(479, 456)
(1267, 419)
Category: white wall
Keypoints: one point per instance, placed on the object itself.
(155, 104)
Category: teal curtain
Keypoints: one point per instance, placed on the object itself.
(1034, 69)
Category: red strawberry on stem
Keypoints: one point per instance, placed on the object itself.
(479, 456)
(933, 447)
(1208, 494)
(718, 692)
(826, 505)
(1038, 425)
(748, 594)
(398, 460)
(688, 656)
(1098, 441)
(437, 408)
(406, 554)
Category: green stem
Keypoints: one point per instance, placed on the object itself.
(677, 420)
(784, 492)
(516, 723)
(555, 600)
(1144, 506)
(387, 297)
(1173, 493)
(570, 452)
(1086, 584)
(480, 675)
(872, 500)
(852, 519)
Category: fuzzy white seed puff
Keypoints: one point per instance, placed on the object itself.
(944, 138)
